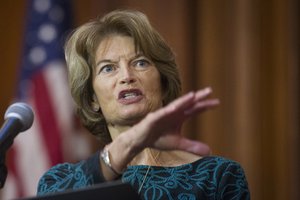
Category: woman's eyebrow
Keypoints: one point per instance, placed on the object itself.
(137, 56)
(112, 61)
(106, 61)
(103, 61)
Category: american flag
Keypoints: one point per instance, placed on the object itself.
(54, 136)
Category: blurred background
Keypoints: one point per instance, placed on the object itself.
(246, 50)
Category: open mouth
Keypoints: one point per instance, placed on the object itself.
(129, 94)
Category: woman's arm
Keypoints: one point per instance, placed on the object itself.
(71, 176)
(161, 130)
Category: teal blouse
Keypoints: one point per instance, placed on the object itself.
(207, 178)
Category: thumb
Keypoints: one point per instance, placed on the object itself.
(194, 147)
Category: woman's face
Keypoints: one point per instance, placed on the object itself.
(126, 84)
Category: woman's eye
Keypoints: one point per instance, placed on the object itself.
(106, 69)
(142, 63)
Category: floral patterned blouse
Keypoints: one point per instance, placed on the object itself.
(211, 177)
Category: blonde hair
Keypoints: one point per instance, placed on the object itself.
(80, 51)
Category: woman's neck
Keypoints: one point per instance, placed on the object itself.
(148, 156)
(154, 157)
(116, 130)
(145, 157)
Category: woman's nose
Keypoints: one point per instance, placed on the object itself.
(127, 75)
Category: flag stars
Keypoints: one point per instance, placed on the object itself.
(42, 6)
(47, 33)
(37, 55)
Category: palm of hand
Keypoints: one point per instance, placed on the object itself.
(162, 129)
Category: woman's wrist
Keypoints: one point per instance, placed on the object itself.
(105, 156)
(121, 151)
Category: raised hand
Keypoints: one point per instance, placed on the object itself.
(162, 129)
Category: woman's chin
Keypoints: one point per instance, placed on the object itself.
(130, 119)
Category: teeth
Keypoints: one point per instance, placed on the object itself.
(129, 95)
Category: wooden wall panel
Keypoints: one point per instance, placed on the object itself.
(244, 53)
(11, 28)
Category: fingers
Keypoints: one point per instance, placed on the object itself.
(182, 102)
(178, 105)
(193, 102)
(179, 142)
(194, 147)
(201, 106)
(188, 100)
(201, 94)
(166, 136)
(189, 104)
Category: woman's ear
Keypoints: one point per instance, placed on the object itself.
(95, 104)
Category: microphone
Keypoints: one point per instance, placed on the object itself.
(18, 118)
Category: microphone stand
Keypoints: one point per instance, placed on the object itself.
(6, 140)
(11, 127)
(3, 169)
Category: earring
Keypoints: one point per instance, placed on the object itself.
(95, 107)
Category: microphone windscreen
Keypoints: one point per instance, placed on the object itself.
(23, 112)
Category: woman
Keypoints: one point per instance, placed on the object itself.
(125, 83)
